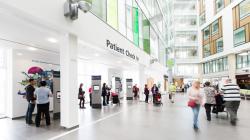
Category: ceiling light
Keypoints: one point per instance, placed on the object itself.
(52, 40)
(119, 62)
(97, 54)
(19, 54)
(32, 48)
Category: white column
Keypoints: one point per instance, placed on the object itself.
(232, 66)
(142, 81)
(69, 87)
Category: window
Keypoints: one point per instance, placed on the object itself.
(245, 9)
(146, 35)
(219, 45)
(215, 27)
(239, 36)
(206, 33)
(112, 13)
(217, 65)
(206, 50)
(129, 17)
(242, 61)
(202, 19)
(99, 8)
(219, 4)
(122, 16)
(135, 24)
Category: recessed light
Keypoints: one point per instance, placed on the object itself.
(97, 54)
(32, 48)
(19, 54)
(52, 40)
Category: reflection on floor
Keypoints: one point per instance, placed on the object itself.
(136, 120)
(2, 116)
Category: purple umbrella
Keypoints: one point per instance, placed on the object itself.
(34, 70)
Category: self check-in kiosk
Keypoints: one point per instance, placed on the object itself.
(116, 85)
(97, 92)
(56, 94)
(129, 87)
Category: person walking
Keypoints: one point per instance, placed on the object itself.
(195, 98)
(154, 91)
(135, 91)
(81, 97)
(146, 92)
(30, 89)
(42, 95)
(90, 96)
(231, 94)
(172, 91)
(210, 94)
(104, 94)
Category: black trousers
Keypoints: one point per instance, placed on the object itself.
(42, 108)
(90, 98)
(146, 99)
(82, 102)
(107, 98)
(104, 100)
(208, 111)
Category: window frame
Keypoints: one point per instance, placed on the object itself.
(222, 47)
(204, 32)
(242, 5)
(213, 24)
(239, 30)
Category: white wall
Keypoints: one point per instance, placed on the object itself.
(23, 63)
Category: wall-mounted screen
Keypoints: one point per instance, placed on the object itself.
(96, 88)
(129, 87)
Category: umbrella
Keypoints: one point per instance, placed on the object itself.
(34, 70)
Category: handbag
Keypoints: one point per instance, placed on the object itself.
(191, 103)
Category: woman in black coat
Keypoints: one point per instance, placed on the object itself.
(104, 94)
(146, 92)
(81, 96)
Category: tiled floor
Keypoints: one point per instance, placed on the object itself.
(137, 120)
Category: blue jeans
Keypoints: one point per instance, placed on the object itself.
(196, 111)
(29, 112)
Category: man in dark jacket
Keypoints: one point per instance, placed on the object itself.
(30, 89)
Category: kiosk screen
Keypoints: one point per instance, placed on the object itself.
(96, 88)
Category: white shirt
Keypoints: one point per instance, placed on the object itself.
(42, 95)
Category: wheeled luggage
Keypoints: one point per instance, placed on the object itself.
(157, 99)
(115, 98)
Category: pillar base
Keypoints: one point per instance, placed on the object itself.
(129, 98)
(97, 106)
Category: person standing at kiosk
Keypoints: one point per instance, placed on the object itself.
(146, 92)
(90, 96)
(30, 89)
(42, 94)
(81, 96)
(108, 94)
(104, 94)
(154, 91)
(135, 91)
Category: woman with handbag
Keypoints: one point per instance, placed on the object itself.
(81, 96)
(195, 101)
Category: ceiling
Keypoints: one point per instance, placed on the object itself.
(26, 37)
(21, 34)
